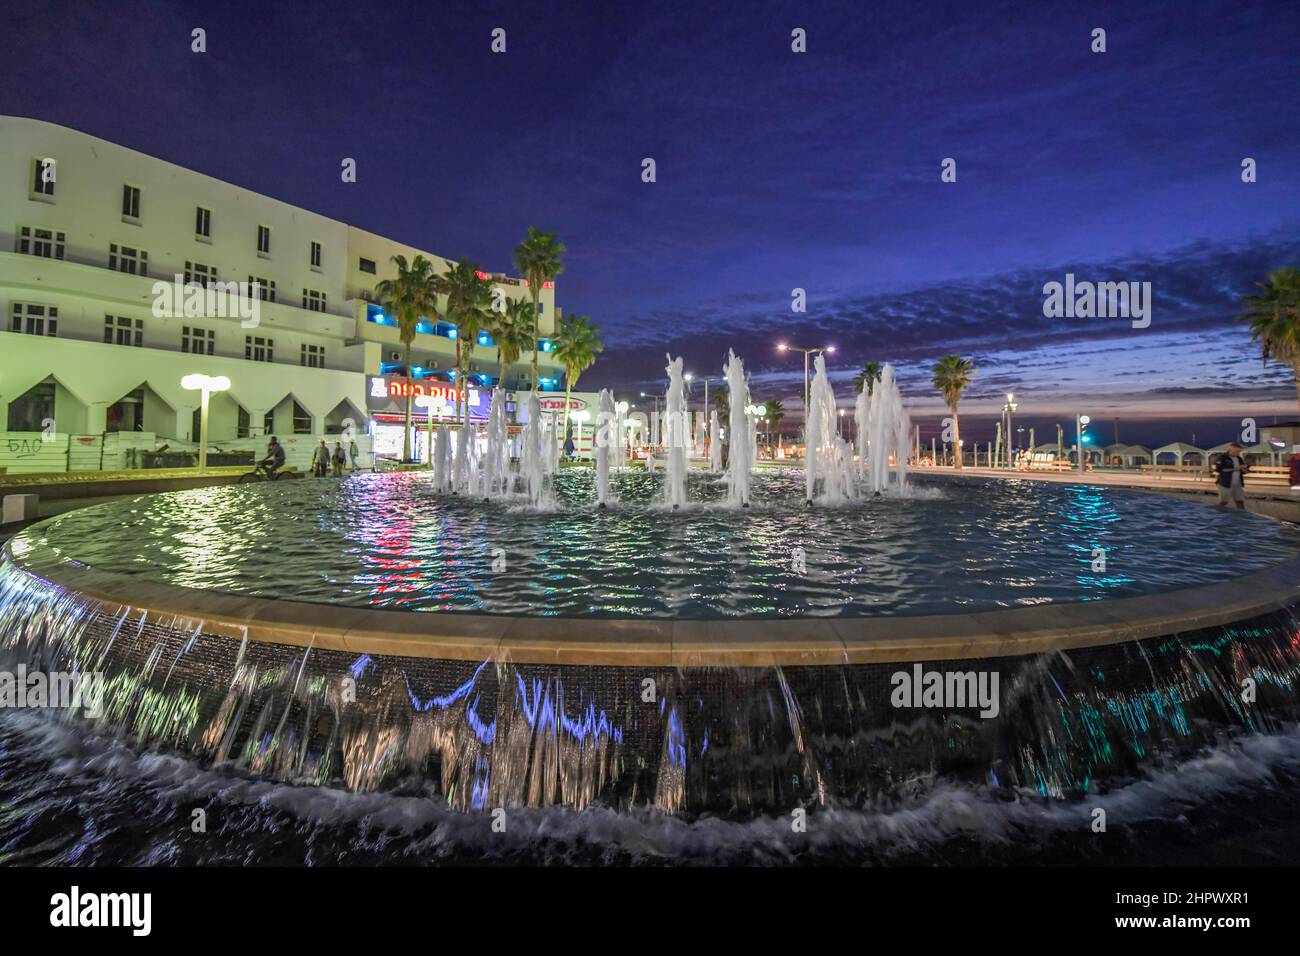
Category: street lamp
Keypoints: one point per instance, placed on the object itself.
(1007, 409)
(1081, 423)
(807, 353)
(206, 385)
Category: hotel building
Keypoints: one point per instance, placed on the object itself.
(91, 368)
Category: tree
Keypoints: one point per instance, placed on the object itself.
(512, 331)
(775, 412)
(539, 259)
(952, 373)
(413, 293)
(469, 300)
(576, 347)
(868, 377)
(1274, 319)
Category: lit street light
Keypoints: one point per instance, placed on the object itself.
(807, 353)
(206, 385)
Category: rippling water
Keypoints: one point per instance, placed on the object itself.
(388, 541)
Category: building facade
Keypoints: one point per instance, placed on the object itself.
(91, 236)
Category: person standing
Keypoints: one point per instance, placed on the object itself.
(353, 452)
(1230, 471)
(340, 459)
(320, 460)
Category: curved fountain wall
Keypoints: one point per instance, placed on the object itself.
(727, 717)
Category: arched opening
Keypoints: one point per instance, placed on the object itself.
(337, 420)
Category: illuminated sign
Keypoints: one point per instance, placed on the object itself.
(557, 404)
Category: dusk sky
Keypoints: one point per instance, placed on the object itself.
(775, 170)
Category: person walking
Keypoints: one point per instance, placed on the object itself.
(353, 452)
(340, 459)
(1230, 471)
(320, 460)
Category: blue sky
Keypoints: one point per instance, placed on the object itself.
(775, 170)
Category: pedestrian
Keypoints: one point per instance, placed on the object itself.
(568, 446)
(353, 452)
(1230, 470)
(320, 460)
(340, 459)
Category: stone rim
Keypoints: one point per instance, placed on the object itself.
(653, 642)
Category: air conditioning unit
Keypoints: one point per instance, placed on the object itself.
(395, 356)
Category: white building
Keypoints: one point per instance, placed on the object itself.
(89, 368)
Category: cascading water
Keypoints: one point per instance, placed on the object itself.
(678, 434)
(606, 445)
(828, 464)
(740, 460)
(887, 430)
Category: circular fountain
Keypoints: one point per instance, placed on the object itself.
(703, 643)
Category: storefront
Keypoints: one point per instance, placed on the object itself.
(431, 401)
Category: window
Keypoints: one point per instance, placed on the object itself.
(35, 319)
(128, 259)
(40, 242)
(130, 202)
(244, 423)
(258, 349)
(200, 274)
(198, 341)
(29, 411)
(313, 301)
(263, 240)
(315, 256)
(541, 307)
(43, 175)
(202, 222)
(119, 330)
(268, 423)
(368, 265)
(263, 289)
(301, 420)
(313, 356)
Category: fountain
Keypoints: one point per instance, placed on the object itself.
(442, 460)
(828, 464)
(606, 445)
(533, 454)
(861, 417)
(887, 431)
(715, 443)
(496, 478)
(678, 435)
(741, 451)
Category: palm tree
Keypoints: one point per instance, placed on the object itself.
(1274, 319)
(512, 331)
(952, 374)
(411, 294)
(539, 259)
(576, 348)
(868, 378)
(775, 412)
(469, 300)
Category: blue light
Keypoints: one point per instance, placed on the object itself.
(452, 333)
(545, 344)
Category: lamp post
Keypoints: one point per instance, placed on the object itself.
(1080, 423)
(205, 385)
(807, 354)
(1010, 406)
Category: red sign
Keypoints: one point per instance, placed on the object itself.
(557, 404)
(399, 388)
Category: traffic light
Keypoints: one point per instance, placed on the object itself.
(1081, 423)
